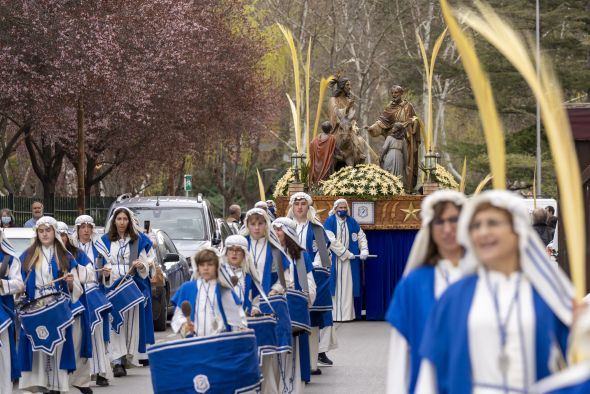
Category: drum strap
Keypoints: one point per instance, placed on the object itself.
(134, 252)
(278, 262)
(4, 266)
(302, 273)
(318, 235)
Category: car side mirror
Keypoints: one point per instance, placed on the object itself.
(216, 240)
(170, 257)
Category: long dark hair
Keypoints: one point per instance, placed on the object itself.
(432, 254)
(34, 255)
(113, 233)
(292, 248)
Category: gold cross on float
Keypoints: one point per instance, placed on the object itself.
(411, 212)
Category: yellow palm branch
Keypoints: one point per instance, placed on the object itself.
(307, 77)
(548, 92)
(260, 186)
(463, 176)
(482, 184)
(323, 87)
(482, 90)
(295, 60)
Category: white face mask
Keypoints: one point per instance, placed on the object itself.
(6, 219)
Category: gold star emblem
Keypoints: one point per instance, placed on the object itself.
(411, 212)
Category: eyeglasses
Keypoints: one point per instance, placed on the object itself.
(441, 222)
(491, 224)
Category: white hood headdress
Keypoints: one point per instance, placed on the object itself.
(545, 276)
(289, 227)
(420, 245)
(336, 203)
(62, 228)
(312, 215)
(48, 221)
(133, 219)
(248, 264)
(270, 231)
(261, 205)
(95, 237)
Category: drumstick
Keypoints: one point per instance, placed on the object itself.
(186, 309)
(58, 279)
(125, 277)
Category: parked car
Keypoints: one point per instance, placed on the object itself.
(188, 221)
(223, 228)
(176, 271)
(19, 237)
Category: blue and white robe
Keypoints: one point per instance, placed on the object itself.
(414, 297)
(213, 309)
(12, 283)
(138, 327)
(345, 275)
(39, 369)
(461, 344)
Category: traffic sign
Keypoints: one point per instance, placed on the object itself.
(188, 183)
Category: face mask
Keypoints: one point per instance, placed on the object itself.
(342, 214)
(6, 219)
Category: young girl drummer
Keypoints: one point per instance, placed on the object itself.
(48, 268)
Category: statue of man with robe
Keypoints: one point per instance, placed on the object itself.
(321, 155)
(401, 113)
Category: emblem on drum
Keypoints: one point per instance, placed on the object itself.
(201, 384)
(42, 332)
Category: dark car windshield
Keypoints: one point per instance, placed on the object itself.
(179, 223)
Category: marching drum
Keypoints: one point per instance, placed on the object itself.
(45, 320)
(298, 311)
(98, 306)
(123, 298)
(224, 363)
(265, 329)
(283, 328)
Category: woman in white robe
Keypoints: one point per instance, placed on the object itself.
(122, 234)
(504, 327)
(86, 238)
(11, 283)
(434, 263)
(42, 264)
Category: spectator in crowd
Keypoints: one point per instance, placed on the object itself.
(541, 227)
(233, 220)
(271, 209)
(551, 218)
(37, 212)
(7, 218)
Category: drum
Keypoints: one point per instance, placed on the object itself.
(323, 300)
(281, 311)
(77, 307)
(224, 363)
(265, 329)
(298, 311)
(97, 304)
(123, 298)
(45, 320)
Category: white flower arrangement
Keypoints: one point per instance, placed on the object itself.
(364, 180)
(282, 186)
(444, 178)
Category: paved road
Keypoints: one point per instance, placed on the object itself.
(359, 364)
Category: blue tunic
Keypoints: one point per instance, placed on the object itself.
(86, 348)
(25, 349)
(445, 341)
(188, 292)
(7, 304)
(412, 302)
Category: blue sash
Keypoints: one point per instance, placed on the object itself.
(298, 311)
(225, 363)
